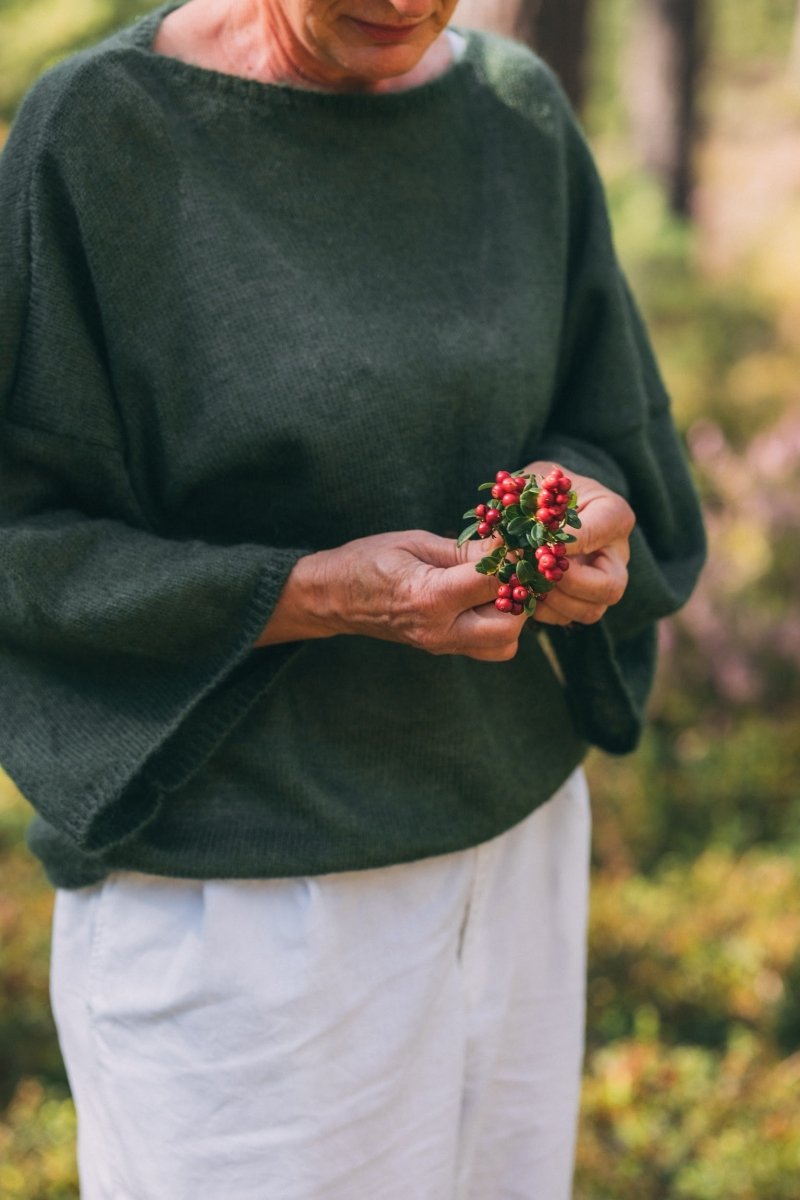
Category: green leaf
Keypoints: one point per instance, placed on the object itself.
(511, 512)
(467, 533)
(490, 563)
(518, 525)
(530, 606)
(528, 501)
(562, 536)
(486, 487)
(486, 566)
(573, 520)
(469, 513)
(526, 572)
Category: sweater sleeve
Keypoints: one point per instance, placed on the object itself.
(125, 656)
(610, 419)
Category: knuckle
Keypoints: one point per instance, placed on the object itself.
(616, 591)
(422, 637)
(593, 613)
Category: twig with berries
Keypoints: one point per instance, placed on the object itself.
(532, 518)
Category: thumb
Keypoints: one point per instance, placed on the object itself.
(445, 552)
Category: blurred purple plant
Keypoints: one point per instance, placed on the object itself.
(738, 639)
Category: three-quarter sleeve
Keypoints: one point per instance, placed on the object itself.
(611, 420)
(125, 656)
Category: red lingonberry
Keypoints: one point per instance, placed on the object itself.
(560, 549)
(543, 515)
(563, 564)
(484, 529)
(504, 591)
(564, 484)
(553, 575)
(508, 499)
(497, 491)
(519, 483)
(519, 594)
(546, 497)
(493, 516)
(517, 610)
(553, 480)
(503, 604)
(547, 562)
(501, 475)
(542, 550)
(563, 499)
(480, 510)
(554, 526)
(514, 581)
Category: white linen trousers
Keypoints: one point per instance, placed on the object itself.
(413, 1032)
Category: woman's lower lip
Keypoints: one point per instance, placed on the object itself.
(385, 33)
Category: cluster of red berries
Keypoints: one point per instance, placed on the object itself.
(528, 519)
(512, 597)
(552, 561)
(507, 489)
(553, 499)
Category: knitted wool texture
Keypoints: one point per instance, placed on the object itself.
(230, 312)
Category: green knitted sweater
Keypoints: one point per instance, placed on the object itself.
(230, 313)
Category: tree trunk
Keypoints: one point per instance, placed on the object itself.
(666, 57)
(556, 29)
(559, 31)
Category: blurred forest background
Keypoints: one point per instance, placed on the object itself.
(692, 1081)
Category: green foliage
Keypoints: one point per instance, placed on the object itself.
(707, 945)
(37, 1120)
(27, 1043)
(37, 1145)
(35, 34)
(681, 1123)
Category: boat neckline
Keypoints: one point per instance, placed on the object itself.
(142, 35)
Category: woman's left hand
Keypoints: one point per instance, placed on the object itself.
(598, 570)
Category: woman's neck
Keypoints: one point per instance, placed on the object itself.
(253, 40)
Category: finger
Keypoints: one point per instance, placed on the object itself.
(445, 552)
(601, 579)
(546, 614)
(435, 550)
(564, 610)
(486, 634)
(466, 588)
(605, 519)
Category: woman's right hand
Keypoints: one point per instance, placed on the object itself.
(410, 587)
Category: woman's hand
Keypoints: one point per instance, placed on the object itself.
(411, 587)
(598, 573)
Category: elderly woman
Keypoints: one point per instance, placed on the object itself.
(280, 282)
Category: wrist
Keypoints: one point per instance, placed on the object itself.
(305, 607)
